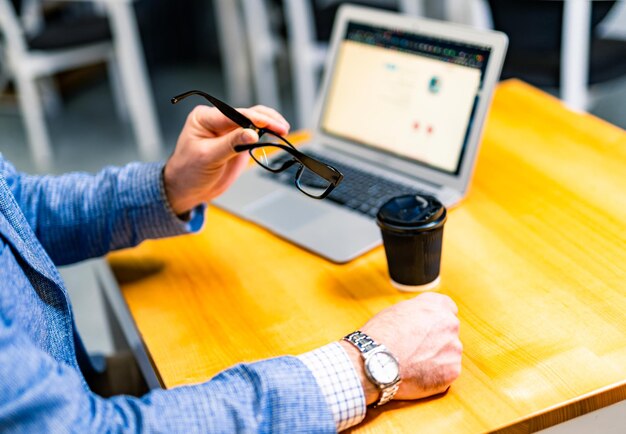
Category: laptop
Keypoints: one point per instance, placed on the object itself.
(401, 111)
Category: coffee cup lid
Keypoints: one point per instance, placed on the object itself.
(411, 212)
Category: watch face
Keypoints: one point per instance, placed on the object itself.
(382, 368)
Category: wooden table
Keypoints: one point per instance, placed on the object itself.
(535, 258)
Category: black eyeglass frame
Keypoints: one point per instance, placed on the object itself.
(325, 171)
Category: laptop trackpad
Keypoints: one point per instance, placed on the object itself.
(289, 215)
(327, 230)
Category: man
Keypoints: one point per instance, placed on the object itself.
(60, 220)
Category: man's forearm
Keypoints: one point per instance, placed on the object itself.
(78, 216)
(40, 394)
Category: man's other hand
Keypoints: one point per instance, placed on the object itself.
(423, 334)
(204, 163)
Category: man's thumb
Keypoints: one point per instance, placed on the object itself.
(226, 143)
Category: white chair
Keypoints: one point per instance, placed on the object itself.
(263, 47)
(575, 54)
(233, 48)
(28, 66)
(249, 49)
(306, 55)
(475, 13)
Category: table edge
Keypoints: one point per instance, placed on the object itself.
(111, 290)
(567, 410)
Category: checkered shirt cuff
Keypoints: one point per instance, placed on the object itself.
(339, 382)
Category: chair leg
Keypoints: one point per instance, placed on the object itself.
(134, 79)
(412, 7)
(263, 52)
(34, 120)
(4, 71)
(50, 96)
(575, 54)
(305, 90)
(304, 67)
(235, 64)
(121, 104)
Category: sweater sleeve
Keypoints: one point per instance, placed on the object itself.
(79, 216)
(39, 394)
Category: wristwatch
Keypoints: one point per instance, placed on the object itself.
(381, 367)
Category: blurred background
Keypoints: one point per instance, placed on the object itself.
(84, 84)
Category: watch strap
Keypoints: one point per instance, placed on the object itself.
(387, 394)
(362, 341)
(365, 344)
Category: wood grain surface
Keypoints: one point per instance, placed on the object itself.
(535, 258)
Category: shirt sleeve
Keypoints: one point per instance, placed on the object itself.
(340, 384)
(78, 216)
(38, 394)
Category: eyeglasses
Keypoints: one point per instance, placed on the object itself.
(312, 177)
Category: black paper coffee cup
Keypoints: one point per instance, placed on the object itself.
(412, 230)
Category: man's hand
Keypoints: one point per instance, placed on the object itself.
(423, 333)
(204, 163)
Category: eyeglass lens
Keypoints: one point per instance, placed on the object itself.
(273, 158)
(270, 157)
(311, 183)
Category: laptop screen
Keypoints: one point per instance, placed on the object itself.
(406, 94)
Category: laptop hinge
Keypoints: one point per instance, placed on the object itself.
(383, 173)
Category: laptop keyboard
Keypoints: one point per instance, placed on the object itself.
(359, 190)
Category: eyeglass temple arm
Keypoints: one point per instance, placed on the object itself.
(322, 169)
(226, 110)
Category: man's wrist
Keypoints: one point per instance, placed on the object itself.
(180, 204)
(183, 212)
(370, 391)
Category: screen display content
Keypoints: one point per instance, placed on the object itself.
(408, 95)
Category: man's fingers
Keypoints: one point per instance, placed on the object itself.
(215, 122)
(222, 148)
(450, 304)
(272, 113)
(211, 119)
(438, 299)
(265, 117)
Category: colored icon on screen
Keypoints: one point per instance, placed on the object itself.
(434, 85)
